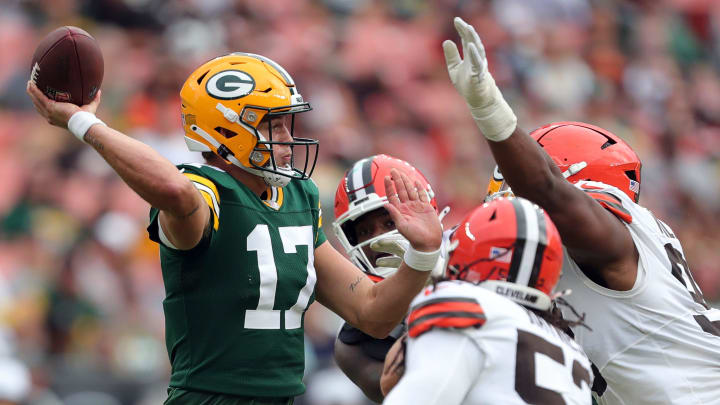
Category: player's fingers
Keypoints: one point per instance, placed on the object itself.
(39, 109)
(462, 28)
(389, 261)
(394, 213)
(32, 91)
(413, 191)
(96, 101)
(39, 106)
(397, 363)
(41, 100)
(401, 188)
(478, 64)
(452, 55)
(392, 195)
(477, 41)
(393, 244)
(464, 47)
(93, 105)
(422, 193)
(459, 26)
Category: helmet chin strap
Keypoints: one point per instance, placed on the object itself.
(270, 178)
(274, 179)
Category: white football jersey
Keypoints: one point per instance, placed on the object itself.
(658, 343)
(512, 355)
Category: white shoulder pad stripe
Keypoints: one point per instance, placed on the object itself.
(208, 191)
(163, 238)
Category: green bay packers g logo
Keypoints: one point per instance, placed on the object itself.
(230, 84)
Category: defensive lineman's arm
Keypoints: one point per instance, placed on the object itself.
(183, 212)
(376, 308)
(596, 240)
(360, 368)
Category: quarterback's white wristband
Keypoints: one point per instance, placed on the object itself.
(495, 119)
(80, 122)
(421, 261)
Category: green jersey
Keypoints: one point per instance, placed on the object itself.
(234, 304)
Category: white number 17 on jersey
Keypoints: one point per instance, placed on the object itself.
(264, 316)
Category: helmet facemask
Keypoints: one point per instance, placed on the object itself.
(345, 230)
(262, 157)
(498, 187)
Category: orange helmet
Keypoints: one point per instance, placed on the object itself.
(511, 246)
(585, 152)
(224, 101)
(361, 191)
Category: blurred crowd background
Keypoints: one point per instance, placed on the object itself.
(80, 285)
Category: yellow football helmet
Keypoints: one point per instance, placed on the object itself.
(224, 101)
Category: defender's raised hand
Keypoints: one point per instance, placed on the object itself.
(467, 75)
(473, 81)
(410, 209)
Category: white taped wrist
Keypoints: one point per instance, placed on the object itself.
(80, 122)
(421, 261)
(495, 119)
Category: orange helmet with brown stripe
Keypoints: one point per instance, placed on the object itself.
(511, 246)
(226, 99)
(585, 152)
(361, 191)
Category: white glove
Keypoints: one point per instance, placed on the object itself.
(397, 245)
(473, 81)
(394, 244)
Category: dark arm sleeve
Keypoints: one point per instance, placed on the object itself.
(374, 348)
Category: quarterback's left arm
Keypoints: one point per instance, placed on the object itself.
(440, 369)
(376, 308)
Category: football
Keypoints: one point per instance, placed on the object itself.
(68, 66)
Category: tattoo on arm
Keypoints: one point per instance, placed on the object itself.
(193, 211)
(94, 142)
(356, 282)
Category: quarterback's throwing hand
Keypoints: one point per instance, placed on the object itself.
(55, 112)
(410, 209)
